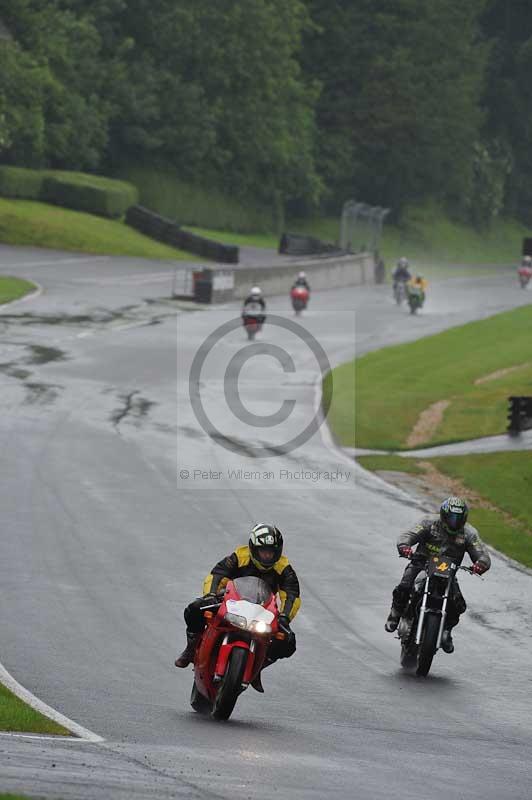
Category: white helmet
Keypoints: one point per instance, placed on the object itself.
(256, 291)
(302, 275)
(403, 262)
(527, 261)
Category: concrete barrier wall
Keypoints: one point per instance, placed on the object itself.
(326, 273)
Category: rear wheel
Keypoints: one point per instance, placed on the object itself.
(231, 684)
(427, 648)
(251, 332)
(198, 702)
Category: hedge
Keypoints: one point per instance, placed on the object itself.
(18, 182)
(91, 193)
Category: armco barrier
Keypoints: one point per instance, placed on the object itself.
(164, 230)
(323, 273)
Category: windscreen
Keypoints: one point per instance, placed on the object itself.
(253, 589)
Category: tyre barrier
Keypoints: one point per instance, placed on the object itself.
(169, 232)
(519, 415)
(295, 244)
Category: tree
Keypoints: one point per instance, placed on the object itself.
(508, 98)
(401, 97)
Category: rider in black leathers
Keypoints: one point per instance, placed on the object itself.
(401, 272)
(449, 535)
(301, 280)
(255, 296)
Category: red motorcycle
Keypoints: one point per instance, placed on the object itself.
(231, 650)
(300, 297)
(252, 319)
(525, 274)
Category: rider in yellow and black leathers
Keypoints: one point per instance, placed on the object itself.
(262, 557)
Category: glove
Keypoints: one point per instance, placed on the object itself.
(211, 597)
(478, 568)
(405, 551)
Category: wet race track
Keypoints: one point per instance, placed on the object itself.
(115, 504)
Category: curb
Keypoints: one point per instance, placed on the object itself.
(24, 694)
(31, 296)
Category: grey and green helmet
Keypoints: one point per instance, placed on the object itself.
(453, 515)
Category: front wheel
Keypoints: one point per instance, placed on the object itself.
(427, 648)
(408, 658)
(231, 684)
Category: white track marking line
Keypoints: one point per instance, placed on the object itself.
(24, 694)
(57, 261)
(45, 737)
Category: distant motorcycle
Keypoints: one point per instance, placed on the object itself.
(399, 292)
(300, 297)
(232, 649)
(252, 319)
(421, 626)
(524, 274)
(415, 296)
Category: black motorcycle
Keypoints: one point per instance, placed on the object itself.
(399, 292)
(421, 626)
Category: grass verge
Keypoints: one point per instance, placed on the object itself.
(498, 486)
(394, 385)
(16, 716)
(14, 288)
(29, 223)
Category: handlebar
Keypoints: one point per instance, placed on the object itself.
(466, 569)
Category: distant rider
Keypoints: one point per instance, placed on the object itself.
(448, 535)
(419, 282)
(263, 558)
(401, 273)
(301, 280)
(255, 298)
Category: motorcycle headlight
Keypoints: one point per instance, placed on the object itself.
(236, 620)
(258, 626)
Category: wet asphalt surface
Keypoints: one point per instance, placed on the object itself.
(105, 538)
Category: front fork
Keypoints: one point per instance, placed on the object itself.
(423, 609)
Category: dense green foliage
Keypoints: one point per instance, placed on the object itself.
(287, 103)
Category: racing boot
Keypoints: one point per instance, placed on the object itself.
(393, 620)
(187, 656)
(256, 682)
(447, 644)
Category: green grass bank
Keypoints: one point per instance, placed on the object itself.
(474, 367)
(35, 224)
(14, 288)
(16, 716)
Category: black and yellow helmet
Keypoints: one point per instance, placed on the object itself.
(265, 546)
